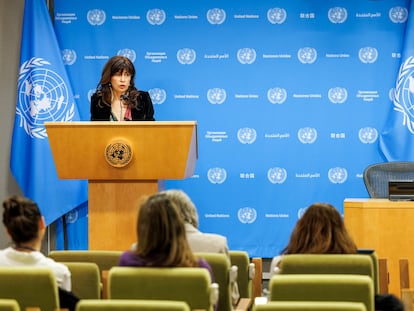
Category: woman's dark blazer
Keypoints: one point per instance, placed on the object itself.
(143, 112)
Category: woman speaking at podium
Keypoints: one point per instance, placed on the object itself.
(116, 97)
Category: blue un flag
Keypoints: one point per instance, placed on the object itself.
(397, 137)
(43, 94)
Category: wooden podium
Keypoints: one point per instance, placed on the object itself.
(385, 226)
(122, 161)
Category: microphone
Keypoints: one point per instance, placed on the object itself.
(124, 97)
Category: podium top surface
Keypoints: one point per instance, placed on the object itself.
(152, 150)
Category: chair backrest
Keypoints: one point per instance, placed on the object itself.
(220, 265)
(323, 287)
(9, 305)
(329, 264)
(376, 176)
(131, 305)
(30, 287)
(244, 276)
(105, 259)
(310, 306)
(192, 285)
(86, 280)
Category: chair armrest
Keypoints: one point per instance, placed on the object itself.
(104, 279)
(243, 305)
(257, 280)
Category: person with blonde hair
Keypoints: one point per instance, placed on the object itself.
(199, 241)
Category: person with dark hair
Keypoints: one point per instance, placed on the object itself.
(26, 227)
(117, 98)
(162, 238)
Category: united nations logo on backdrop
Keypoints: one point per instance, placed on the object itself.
(129, 53)
(277, 95)
(337, 175)
(96, 17)
(368, 55)
(398, 14)
(337, 95)
(247, 215)
(246, 135)
(277, 175)
(118, 153)
(307, 135)
(216, 96)
(307, 55)
(72, 216)
(158, 96)
(42, 95)
(68, 56)
(337, 15)
(156, 17)
(186, 56)
(217, 175)
(216, 16)
(368, 135)
(404, 91)
(246, 56)
(276, 15)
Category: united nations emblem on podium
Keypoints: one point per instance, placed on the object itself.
(118, 153)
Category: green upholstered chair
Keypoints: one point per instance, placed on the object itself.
(323, 287)
(9, 305)
(131, 305)
(330, 264)
(310, 306)
(105, 259)
(30, 287)
(246, 271)
(225, 276)
(192, 285)
(86, 280)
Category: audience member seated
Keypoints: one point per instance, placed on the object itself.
(161, 236)
(321, 230)
(26, 227)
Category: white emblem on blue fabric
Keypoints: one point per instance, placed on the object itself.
(186, 56)
(216, 16)
(404, 93)
(276, 15)
(129, 53)
(156, 17)
(96, 17)
(217, 175)
(398, 14)
(158, 96)
(307, 55)
(337, 95)
(246, 56)
(307, 135)
(72, 216)
(247, 215)
(68, 56)
(368, 135)
(368, 55)
(337, 175)
(337, 15)
(277, 175)
(277, 95)
(246, 135)
(216, 96)
(42, 95)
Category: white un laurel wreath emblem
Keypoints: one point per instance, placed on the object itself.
(217, 175)
(398, 14)
(337, 95)
(368, 55)
(246, 135)
(276, 16)
(156, 17)
(277, 175)
(129, 53)
(337, 15)
(42, 96)
(216, 16)
(404, 91)
(186, 56)
(216, 96)
(158, 96)
(337, 175)
(247, 215)
(368, 135)
(277, 95)
(96, 17)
